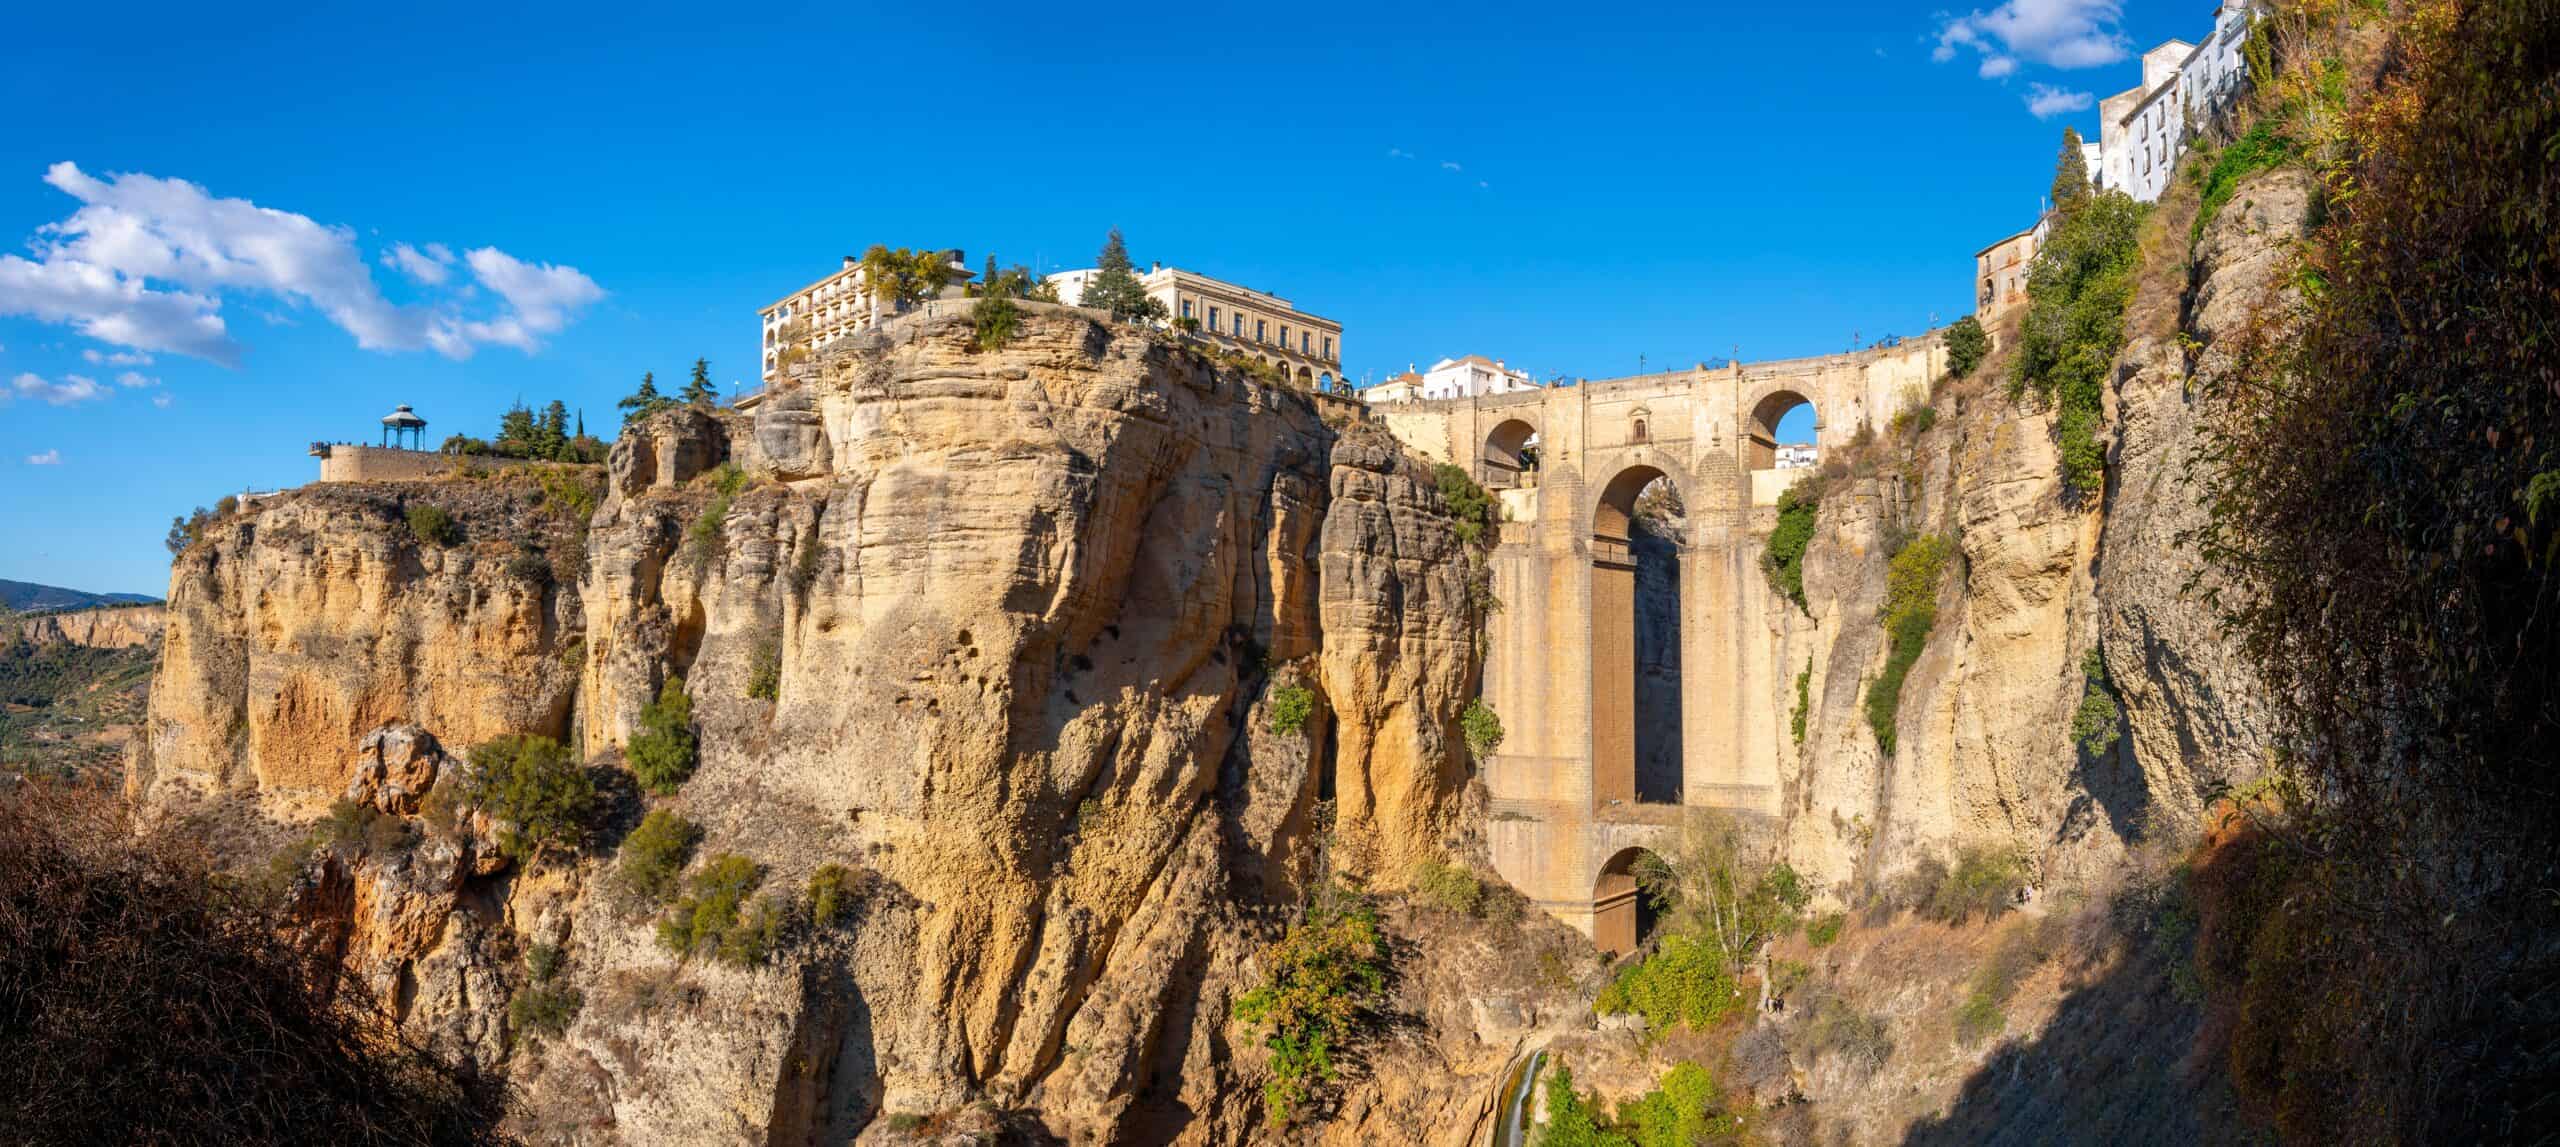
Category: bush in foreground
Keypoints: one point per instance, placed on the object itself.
(145, 998)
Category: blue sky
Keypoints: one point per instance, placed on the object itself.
(585, 193)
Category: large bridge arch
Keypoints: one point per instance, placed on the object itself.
(1638, 714)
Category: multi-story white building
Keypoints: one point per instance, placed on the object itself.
(1798, 456)
(1306, 348)
(836, 306)
(2142, 130)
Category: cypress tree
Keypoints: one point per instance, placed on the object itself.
(645, 401)
(2070, 171)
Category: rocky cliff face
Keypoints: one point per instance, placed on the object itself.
(1021, 613)
(296, 629)
(1986, 756)
(112, 627)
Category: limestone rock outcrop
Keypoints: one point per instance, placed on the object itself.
(298, 627)
(996, 629)
(109, 627)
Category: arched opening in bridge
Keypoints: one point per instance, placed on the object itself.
(1784, 433)
(1511, 455)
(1639, 532)
(1623, 913)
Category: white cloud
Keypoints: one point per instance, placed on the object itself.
(1995, 67)
(431, 266)
(135, 379)
(73, 388)
(115, 358)
(1445, 165)
(2048, 101)
(48, 458)
(160, 400)
(2056, 33)
(144, 263)
(1398, 153)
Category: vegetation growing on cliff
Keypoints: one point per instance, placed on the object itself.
(1910, 613)
(1482, 728)
(2077, 292)
(146, 998)
(1967, 345)
(1783, 559)
(716, 918)
(535, 790)
(2378, 938)
(1470, 508)
(1322, 984)
(1804, 702)
(702, 538)
(1684, 1109)
(662, 752)
(654, 854)
(2095, 721)
(1291, 705)
(1718, 913)
(545, 1003)
(432, 526)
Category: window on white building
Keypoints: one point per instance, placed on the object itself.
(1213, 318)
(1259, 331)
(1328, 346)
(1186, 308)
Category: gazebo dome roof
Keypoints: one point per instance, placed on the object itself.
(403, 416)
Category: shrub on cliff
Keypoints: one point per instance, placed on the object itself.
(146, 997)
(2094, 723)
(1483, 729)
(536, 792)
(1910, 612)
(430, 525)
(1783, 557)
(654, 854)
(1967, 345)
(1470, 508)
(1322, 984)
(715, 917)
(2077, 293)
(1291, 705)
(663, 752)
(832, 890)
(542, 1004)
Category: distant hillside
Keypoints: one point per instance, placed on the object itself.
(24, 596)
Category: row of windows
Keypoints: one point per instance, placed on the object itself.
(1262, 331)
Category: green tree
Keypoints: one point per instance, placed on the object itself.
(2070, 172)
(1115, 286)
(519, 436)
(663, 752)
(538, 795)
(2076, 297)
(644, 401)
(898, 278)
(1322, 984)
(1967, 345)
(554, 431)
(698, 390)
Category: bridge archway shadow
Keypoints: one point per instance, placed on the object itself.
(1638, 532)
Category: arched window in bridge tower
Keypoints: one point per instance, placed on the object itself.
(1637, 429)
(1510, 456)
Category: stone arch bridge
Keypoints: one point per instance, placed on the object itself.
(1624, 663)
